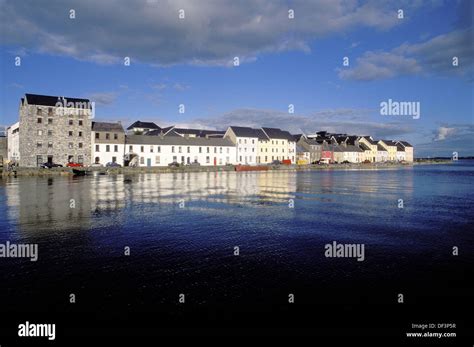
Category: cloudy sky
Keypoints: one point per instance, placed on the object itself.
(282, 61)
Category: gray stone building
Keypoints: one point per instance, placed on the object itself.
(3, 149)
(54, 129)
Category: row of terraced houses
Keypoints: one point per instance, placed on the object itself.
(61, 129)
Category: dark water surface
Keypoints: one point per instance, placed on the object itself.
(189, 249)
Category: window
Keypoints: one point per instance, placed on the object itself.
(80, 133)
(253, 141)
(97, 148)
(245, 141)
(189, 149)
(130, 148)
(179, 149)
(115, 136)
(207, 149)
(107, 136)
(142, 160)
(208, 160)
(107, 148)
(40, 132)
(39, 160)
(115, 148)
(71, 122)
(70, 133)
(80, 122)
(114, 159)
(39, 145)
(157, 159)
(39, 120)
(50, 145)
(220, 150)
(227, 150)
(159, 149)
(215, 149)
(175, 158)
(240, 158)
(50, 133)
(39, 111)
(50, 111)
(97, 160)
(220, 161)
(80, 144)
(50, 120)
(200, 149)
(151, 149)
(80, 159)
(70, 158)
(97, 136)
(172, 149)
(70, 145)
(142, 149)
(240, 140)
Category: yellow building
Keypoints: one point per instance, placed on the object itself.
(391, 148)
(371, 144)
(280, 146)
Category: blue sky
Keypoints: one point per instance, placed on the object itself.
(282, 61)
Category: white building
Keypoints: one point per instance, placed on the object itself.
(401, 154)
(108, 143)
(245, 140)
(147, 150)
(13, 140)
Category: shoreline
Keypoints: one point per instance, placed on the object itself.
(160, 169)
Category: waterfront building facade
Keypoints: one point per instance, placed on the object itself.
(54, 129)
(245, 140)
(108, 143)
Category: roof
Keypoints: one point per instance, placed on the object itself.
(381, 148)
(248, 132)
(364, 147)
(145, 125)
(400, 148)
(390, 142)
(198, 132)
(370, 140)
(275, 133)
(405, 144)
(177, 141)
(49, 100)
(105, 126)
(351, 140)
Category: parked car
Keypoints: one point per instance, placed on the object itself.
(276, 162)
(50, 165)
(97, 165)
(194, 163)
(346, 162)
(112, 164)
(73, 164)
(323, 161)
(174, 164)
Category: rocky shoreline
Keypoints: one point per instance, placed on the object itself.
(142, 170)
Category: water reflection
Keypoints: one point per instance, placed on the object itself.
(84, 203)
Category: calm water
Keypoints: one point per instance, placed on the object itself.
(189, 249)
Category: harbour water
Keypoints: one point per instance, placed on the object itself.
(182, 231)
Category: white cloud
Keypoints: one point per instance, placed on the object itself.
(433, 56)
(212, 33)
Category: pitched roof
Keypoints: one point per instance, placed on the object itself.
(145, 125)
(107, 126)
(381, 148)
(48, 100)
(178, 141)
(405, 144)
(248, 132)
(275, 133)
(389, 142)
(400, 148)
(364, 147)
(351, 148)
(198, 132)
(370, 140)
